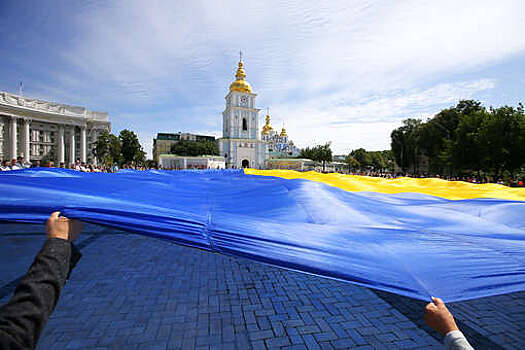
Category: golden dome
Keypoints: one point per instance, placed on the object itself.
(283, 131)
(267, 127)
(241, 85)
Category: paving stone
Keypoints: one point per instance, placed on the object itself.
(134, 292)
(277, 342)
(261, 334)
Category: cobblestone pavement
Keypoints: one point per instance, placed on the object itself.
(134, 292)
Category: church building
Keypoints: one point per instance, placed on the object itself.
(279, 145)
(241, 145)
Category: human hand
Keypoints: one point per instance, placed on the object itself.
(62, 227)
(439, 318)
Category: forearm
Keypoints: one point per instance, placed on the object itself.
(455, 340)
(24, 317)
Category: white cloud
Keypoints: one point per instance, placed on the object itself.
(330, 68)
(368, 124)
(157, 48)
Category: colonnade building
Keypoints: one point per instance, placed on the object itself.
(41, 130)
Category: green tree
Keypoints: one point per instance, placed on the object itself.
(389, 159)
(377, 160)
(319, 153)
(194, 148)
(130, 147)
(502, 136)
(102, 146)
(306, 153)
(431, 138)
(107, 148)
(115, 150)
(362, 156)
(465, 151)
(353, 164)
(465, 138)
(404, 145)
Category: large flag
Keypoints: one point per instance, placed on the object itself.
(413, 237)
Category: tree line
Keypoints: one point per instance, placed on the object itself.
(463, 140)
(363, 160)
(122, 149)
(357, 160)
(195, 148)
(319, 153)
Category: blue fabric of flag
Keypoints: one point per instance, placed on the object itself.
(411, 244)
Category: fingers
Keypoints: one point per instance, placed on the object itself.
(438, 302)
(431, 307)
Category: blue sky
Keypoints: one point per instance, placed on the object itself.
(341, 71)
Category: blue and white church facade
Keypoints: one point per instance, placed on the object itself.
(241, 145)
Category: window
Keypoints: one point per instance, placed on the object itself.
(34, 135)
(244, 124)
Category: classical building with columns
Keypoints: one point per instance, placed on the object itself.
(41, 130)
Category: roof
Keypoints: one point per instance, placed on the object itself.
(177, 136)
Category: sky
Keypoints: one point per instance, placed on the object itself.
(346, 71)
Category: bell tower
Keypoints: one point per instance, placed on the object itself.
(240, 118)
(240, 143)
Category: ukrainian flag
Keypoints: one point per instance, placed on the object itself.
(413, 237)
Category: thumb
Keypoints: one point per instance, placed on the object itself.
(54, 215)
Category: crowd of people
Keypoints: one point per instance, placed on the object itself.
(512, 182)
(19, 163)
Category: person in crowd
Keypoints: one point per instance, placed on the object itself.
(20, 162)
(15, 165)
(25, 163)
(441, 320)
(24, 317)
(5, 166)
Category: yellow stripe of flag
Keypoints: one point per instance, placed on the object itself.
(455, 190)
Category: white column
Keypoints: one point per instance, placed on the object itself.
(94, 139)
(26, 136)
(83, 144)
(13, 140)
(61, 145)
(72, 145)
